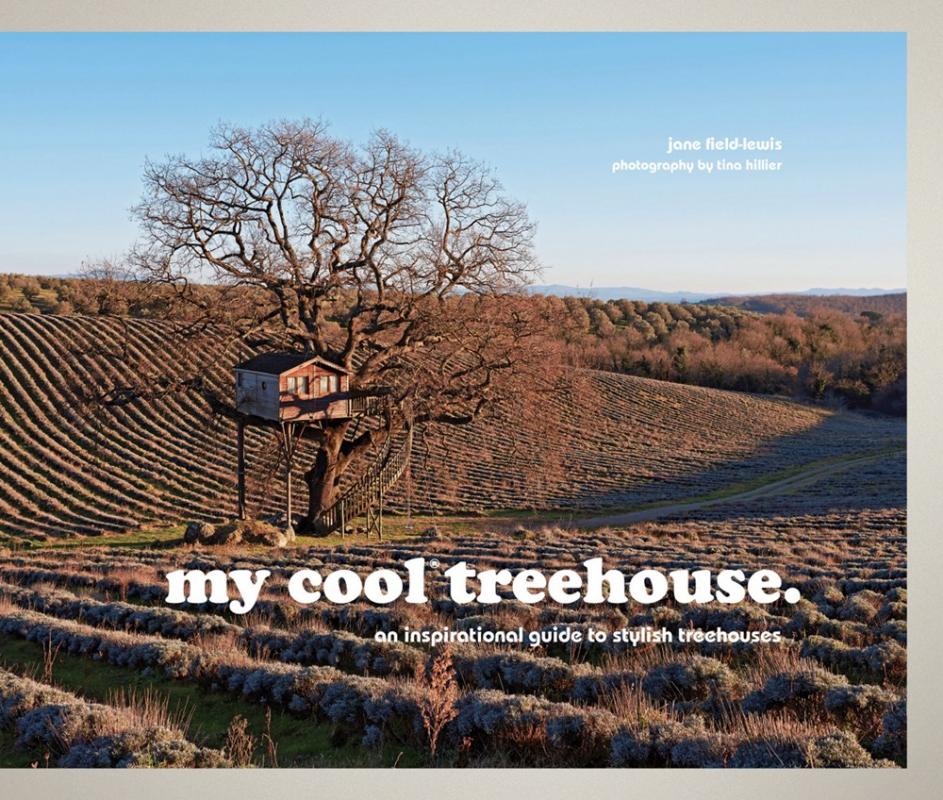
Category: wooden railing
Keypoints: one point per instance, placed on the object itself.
(366, 406)
(365, 497)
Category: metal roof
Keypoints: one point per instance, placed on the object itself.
(277, 363)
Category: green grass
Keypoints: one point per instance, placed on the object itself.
(145, 538)
(301, 742)
(12, 756)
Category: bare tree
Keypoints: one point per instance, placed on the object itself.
(404, 268)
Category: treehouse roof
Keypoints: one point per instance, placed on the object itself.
(278, 363)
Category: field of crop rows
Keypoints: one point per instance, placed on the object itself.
(69, 473)
(830, 694)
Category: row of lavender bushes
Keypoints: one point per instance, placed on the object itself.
(82, 734)
(523, 725)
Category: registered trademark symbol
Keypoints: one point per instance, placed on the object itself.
(433, 563)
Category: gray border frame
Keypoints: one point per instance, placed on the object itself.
(922, 20)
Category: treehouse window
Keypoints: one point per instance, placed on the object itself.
(297, 385)
(324, 384)
(332, 383)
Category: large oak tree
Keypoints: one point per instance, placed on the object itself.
(403, 267)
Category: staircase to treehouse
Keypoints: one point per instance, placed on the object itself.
(364, 498)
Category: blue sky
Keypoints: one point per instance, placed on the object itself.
(550, 113)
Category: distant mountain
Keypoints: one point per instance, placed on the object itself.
(846, 292)
(620, 293)
(656, 296)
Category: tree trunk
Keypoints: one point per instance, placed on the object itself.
(323, 476)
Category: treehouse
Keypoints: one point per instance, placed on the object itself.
(292, 387)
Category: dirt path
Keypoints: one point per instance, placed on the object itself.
(775, 487)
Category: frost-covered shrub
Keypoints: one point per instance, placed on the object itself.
(52, 725)
(824, 592)
(861, 607)
(668, 742)
(696, 679)
(830, 652)
(631, 748)
(20, 695)
(892, 741)
(492, 713)
(88, 734)
(852, 633)
(838, 749)
(585, 736)
(668, 734)
(896, 595)
(526, 725)
(895, 629)
(789, 688)
(338, 648)
(342, 702)
(590, 688)
(519, 672)
(701, 751)
(302, 689)
(151, 748)
(865, 700)
(770, 753)
(355, 703)
(805, 617)
(743, 618)
(892, 610)
(886, 659)
(667, 617)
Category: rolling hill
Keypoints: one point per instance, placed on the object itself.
(634, 441)
(803, 304)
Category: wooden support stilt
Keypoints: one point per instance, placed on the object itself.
(288, 511)
(380, 528)
(288, 446)
(241, 467)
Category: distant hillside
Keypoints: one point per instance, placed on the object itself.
(657, 296)
(803, 304)
(825, 355)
